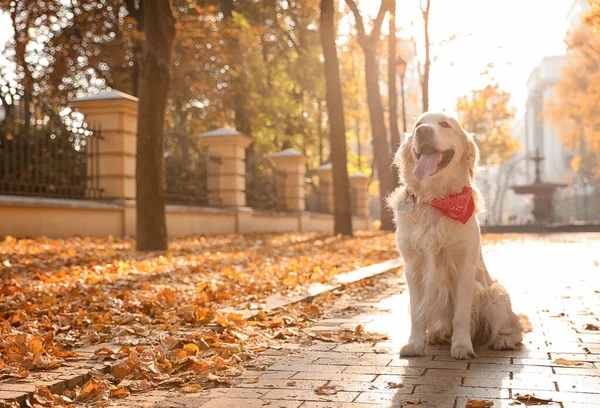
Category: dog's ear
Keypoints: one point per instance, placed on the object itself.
(471, 154)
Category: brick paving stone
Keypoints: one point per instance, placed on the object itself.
(473, 392)
(461, 402)
(556, 396)
(547, 363)
(270, 374)
(363, 361)
(576, 356)
(480, 359)
(236, 393)
(525, 382)
(333, 376)
(577, 371)
(400, 379)
(370, 387)
(310, 395)
(467, 374)
(310, 404)
(392, 399)
(450, 365)
(384, 370)
(284, 384)
(317, 368)
(511, 368)
(577, 383)
(522, 353)
(335, 354)
(247, 403)
(357, 348)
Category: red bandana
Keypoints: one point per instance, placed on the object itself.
(459, 206)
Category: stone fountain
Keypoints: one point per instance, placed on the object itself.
(542, 194)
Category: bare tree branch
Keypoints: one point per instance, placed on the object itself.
(385, 6)
(360, 24)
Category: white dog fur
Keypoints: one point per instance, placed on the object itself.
(453, 298)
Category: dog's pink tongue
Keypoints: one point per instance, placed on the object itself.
(426, 165)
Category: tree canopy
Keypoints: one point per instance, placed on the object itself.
(487, 113)
(576, 109)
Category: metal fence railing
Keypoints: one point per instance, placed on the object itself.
(316, 196)
(191, 174)
(45, 155)
(265, 184)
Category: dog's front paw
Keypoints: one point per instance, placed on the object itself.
(462, 351)
(412, 350)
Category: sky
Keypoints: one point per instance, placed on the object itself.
(513, 35)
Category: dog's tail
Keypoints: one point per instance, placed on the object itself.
(496, 317)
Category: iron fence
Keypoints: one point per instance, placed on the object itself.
(45, 155)
(191, 174)
(317, 196)
(265, 184)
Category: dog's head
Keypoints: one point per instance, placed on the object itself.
(439, 157)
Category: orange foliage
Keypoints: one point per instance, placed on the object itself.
(63, 294)
(576, 110)
(486, 112)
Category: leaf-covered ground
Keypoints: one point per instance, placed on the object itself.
(62, 295)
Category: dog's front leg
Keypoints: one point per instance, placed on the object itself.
(418, 337)
(462, 345)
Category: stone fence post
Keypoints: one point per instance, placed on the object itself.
(116, 113)
(230, 146)
(359, 184)
(293, 165)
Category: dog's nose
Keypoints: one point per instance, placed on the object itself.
(424, 131)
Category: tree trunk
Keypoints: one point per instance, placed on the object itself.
(155, 75)
(427, 67)
(341, 186)
(378, 128)
(392, 91)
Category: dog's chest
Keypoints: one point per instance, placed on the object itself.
(424, 228)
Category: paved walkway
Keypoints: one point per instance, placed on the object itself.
(555, 281)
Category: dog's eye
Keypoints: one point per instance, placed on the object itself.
(445, 125)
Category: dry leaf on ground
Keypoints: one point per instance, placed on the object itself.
(471, 403)
(532, 399)
(563, 361)
(416, 401)
(395, 385)
(590, 326)
(163, 308)
(326, 390)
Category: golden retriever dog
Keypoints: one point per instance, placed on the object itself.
(453, 298)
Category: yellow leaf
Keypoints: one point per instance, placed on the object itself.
(36, 345)
(121, 370)
(471, 403)
(563, 361)
(119, 392)
(191, 349)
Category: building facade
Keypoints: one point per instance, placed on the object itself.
(537, 135)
